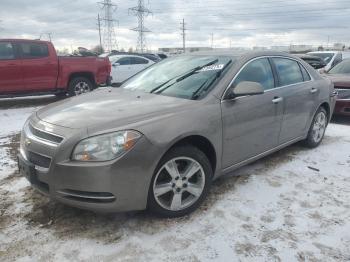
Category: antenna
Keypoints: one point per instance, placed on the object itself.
(140, 11)
(109, 34)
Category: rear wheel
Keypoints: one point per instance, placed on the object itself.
(317, 129)
(79, 85)
(181, 182)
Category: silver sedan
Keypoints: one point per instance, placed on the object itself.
(160, 139)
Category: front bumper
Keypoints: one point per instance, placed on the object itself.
(113, 186)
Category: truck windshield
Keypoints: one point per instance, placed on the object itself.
(189, 77)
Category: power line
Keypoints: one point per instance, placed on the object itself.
(140, 11)
(109, 34)
(183, 30)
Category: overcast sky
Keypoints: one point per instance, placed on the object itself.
(233, 22)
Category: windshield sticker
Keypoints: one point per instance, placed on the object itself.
(212, 68)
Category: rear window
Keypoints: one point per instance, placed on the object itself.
(288, 71)
(34, 50)
(6, 51)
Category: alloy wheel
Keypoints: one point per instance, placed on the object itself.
(319, 127)
(179, 183)
(81, 88)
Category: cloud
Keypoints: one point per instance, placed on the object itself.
(233, 22)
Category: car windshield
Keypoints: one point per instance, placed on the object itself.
(188, 77)
(341, 68)
(326, 57)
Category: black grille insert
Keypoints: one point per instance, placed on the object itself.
(89, 197)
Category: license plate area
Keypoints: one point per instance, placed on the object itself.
(27, 170)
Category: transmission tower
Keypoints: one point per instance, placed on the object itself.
(183, 33)
(109, 34)
(140, 11)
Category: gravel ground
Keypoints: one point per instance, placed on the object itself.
(291, 206)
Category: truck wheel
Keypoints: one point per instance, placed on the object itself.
(79, 85)
(181, 182)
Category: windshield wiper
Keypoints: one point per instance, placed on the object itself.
(198, 92)
(181, 77)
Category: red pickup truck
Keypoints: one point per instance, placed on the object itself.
(29, 67)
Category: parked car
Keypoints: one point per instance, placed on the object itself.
(162, 56)
(125, 66)
(340, 76)
(315, 61)
(153, 57)
(30, 67)
(331, 58)
(160, 139)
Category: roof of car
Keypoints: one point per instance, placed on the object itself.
(117, 56)
(320, 52)
(22, 40)
(241, 53)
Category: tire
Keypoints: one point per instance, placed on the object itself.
(189, 198)
(317, 129)
(79, 85)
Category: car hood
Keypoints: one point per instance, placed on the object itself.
(116, 105)
(340, 80)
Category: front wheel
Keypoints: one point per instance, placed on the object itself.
(317, 129)
(181, 182)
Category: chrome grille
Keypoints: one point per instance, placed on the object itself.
(45, 135)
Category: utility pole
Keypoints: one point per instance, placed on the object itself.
(212, 40)
(140, 11)
(99, 31)
(183, 29)
(109, 35)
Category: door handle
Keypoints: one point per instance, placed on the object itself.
(277, 100)
(313, 90)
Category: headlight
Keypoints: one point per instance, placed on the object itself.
(105, 147)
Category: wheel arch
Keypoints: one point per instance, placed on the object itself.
(200, 142)
(89, 75)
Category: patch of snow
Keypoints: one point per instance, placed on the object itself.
(279, 209)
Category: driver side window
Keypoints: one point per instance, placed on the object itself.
(257, 71)
(124, 61)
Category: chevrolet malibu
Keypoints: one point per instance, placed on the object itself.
(159, 140)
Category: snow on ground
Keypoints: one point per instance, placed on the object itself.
(291, 206)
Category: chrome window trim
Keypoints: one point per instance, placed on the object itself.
(276, 88)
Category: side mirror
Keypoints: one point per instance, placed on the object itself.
(246, 88)
(116, 64)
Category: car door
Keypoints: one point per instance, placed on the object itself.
(251, 124)
(121, 69)
(299, 95)
(10, 69)
(39, 72)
